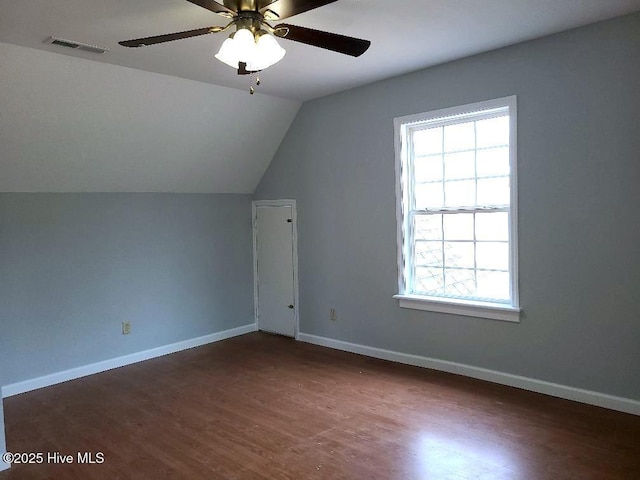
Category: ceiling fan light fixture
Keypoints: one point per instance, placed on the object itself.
(245, 44)
(242, 47)
(268, 52)
(228, 53)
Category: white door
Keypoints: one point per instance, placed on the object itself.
(274, 268)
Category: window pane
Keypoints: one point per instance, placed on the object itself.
(428, 254)
(428, 195)
(493, 131)
(428, 169)
(493, 285)
(427, 227)
(493, 191)
(428, 141)
(428, 281)
(493, 255)
(458, 226)
(460, 165)
(458, 254)
(459, 137)
(493, 162)
(492, 226)
(460, 193)
(460, 283)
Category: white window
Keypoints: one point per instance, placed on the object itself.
(456, 209)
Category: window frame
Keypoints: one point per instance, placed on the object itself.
(483, 309)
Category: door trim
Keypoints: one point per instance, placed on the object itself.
(294, 217)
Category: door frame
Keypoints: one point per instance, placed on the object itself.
(294, 227)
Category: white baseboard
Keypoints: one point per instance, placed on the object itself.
(59, 377)
(570, 393)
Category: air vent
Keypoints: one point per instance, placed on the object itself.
(76, 45)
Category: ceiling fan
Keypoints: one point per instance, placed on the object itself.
(252, 47)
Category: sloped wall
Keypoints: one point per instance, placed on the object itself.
(73, 125)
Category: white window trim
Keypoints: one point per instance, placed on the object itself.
(496, 311)
(468, 308)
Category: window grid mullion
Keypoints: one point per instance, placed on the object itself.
(454, 211)
(412, 206)
(411, 214)
(475, 244)
(413, 251)
(462, 118)
(444, 277)
(444, 202)
(492, 147)
(464, 179)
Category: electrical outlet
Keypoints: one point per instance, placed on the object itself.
(126, 328)
(332, 314)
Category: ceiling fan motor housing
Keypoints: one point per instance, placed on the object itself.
(241, 5)
(250, 20)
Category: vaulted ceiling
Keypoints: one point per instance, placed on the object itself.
(170, 117)
(406, 35)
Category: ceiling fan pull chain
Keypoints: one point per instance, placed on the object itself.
(255, 80)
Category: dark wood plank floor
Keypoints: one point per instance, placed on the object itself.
(266, 407)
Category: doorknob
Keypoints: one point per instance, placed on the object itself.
(290, 306)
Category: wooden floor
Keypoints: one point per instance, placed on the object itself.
(266, 407)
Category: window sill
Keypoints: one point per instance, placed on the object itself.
(493, 311)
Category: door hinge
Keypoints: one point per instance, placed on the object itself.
(289, 220)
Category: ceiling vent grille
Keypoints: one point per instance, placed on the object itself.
(60, 42)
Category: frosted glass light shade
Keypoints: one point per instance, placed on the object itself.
(228, 53)
(245, 45)
(268, 52)
(242, 47)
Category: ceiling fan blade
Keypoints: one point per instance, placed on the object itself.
(214, 7)
(289, 8)
(329, 41)
(169, 37)
(265, 3)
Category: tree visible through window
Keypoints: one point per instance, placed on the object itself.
(456, 186)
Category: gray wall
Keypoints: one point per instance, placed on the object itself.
(74, 266)
(3, 446)
(579, 177)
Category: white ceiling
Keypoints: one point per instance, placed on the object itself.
(406, 35)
